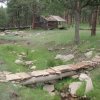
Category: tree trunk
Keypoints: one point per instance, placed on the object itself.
(48, 78)
(94, 21)
(77, 22)
(33, 22)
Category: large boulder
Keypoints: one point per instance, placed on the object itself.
(74, 87)
(87, 79)
(65, 57)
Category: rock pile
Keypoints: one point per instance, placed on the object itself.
(21, 60)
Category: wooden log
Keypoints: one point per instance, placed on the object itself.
(48, 78)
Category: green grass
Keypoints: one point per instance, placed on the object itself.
(95, 94)
(64, 83)
(8, 57)
(9, 53)
(8, 92)
(43, 59)
(81, 90)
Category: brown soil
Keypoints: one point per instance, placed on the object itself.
(7, 41)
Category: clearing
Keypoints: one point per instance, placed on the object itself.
(41, 47)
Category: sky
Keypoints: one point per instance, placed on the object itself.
(2, 4)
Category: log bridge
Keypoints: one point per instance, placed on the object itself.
(53, 73)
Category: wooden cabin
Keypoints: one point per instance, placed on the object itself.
(50, 22)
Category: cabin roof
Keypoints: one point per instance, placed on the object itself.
(54, 18)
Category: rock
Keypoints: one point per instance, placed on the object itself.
(29, 63)
(52, 93)
(63, 48)
(83, 77)
(7, 32)
(89, 85)
(37, 34)
(33, 68)
(23, 53)
(2, 34)
(74, 87)
(21, 32)
(50, 49)
(92, 48)
(75, 76)
(32, 51)
(16, 33)
(63, 95)
(96, 58)
(87, 79)
(20, 57)
(89, 54)
(65, 57)
(49, 88)
(18, 61)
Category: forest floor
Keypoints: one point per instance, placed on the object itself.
(41, 47)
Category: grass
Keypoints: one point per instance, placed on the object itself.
(64, 83)
(81, 91)
(95, 94)
(40, 41)
(9, 91)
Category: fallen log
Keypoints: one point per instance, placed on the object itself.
(53, 73)
(48, 78)
(61, 72)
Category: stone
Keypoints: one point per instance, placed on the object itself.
(49, 88)
(83, 77)
(7, 32)
(74, 87)
(20, 57)
(63, 95)
(29, 63)
(87, 79)
(23, 53)
(52, 93)
(63, 48)
(2, 34)
(89, 85)
(65, 57)
(75, 76)
(32, 51)
(89, 54)
(33, 68)
(16, 33)
(96, 58)
(21, 32)
(50, 49)
(37, 34)
(18, 61)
